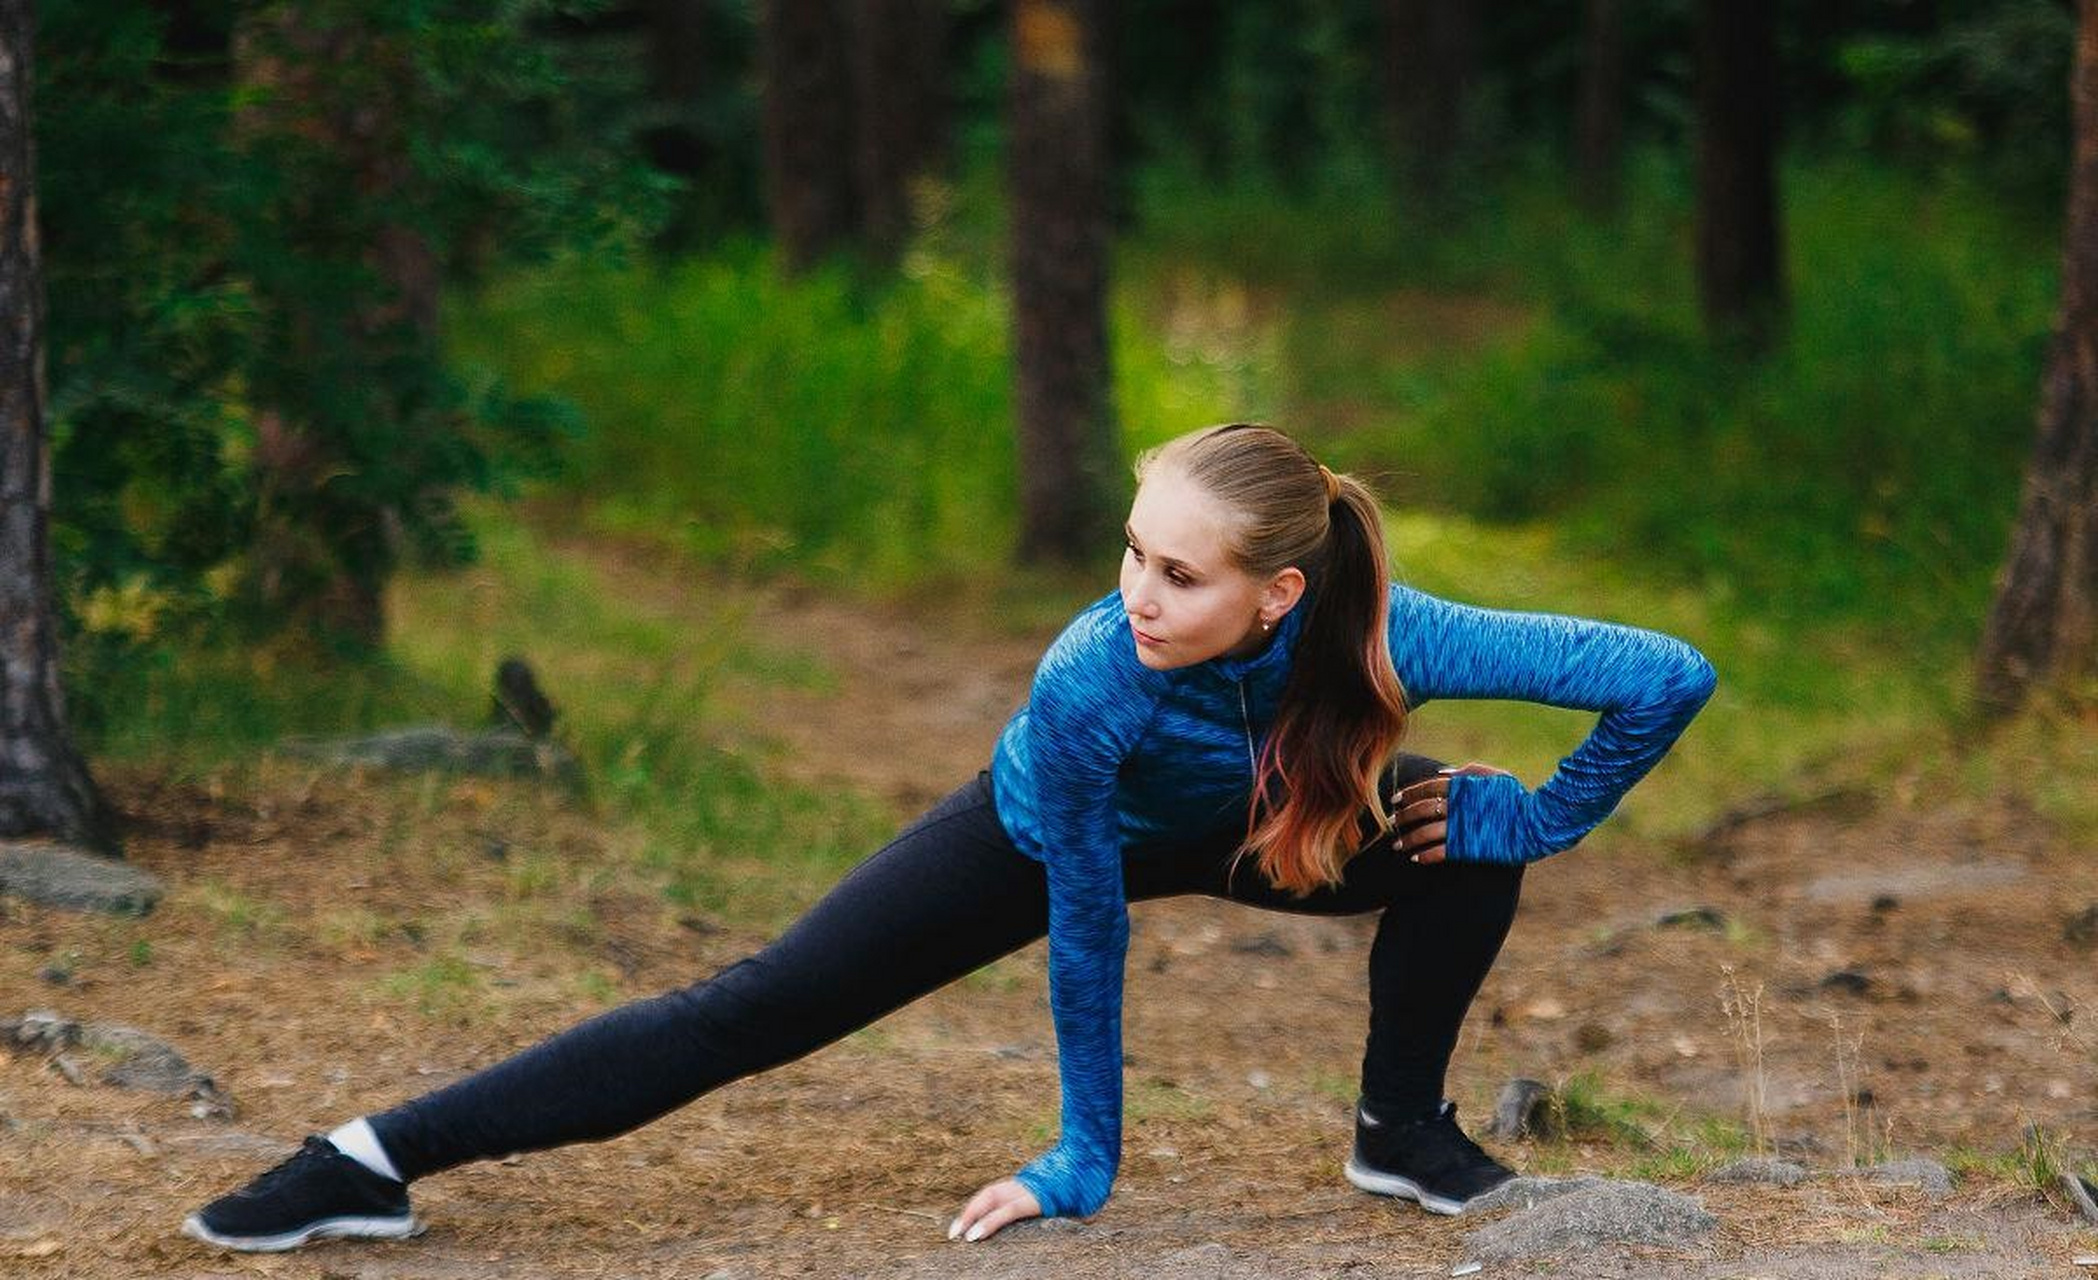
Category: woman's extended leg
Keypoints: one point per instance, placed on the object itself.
(947, 895)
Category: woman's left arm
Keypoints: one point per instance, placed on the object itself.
(1647, 687)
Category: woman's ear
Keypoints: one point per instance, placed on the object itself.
(1282, 593)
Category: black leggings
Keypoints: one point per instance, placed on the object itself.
(949, 894)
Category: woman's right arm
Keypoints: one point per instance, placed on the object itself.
(1090, 706)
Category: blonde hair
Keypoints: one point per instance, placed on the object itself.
(1342, 712)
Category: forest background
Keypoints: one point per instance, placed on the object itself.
(317, 273)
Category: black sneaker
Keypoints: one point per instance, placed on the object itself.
(317, 1194)
(1429, 1161)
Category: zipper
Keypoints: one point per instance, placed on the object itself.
(1245, 718)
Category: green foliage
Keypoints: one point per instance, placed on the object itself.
(1873, 462)
(760, 421)
(203, 702)
(445, 988)
(1983, 91)
(1869, 469)
(246, 218)
(1583, 1110)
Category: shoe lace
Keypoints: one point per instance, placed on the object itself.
(311, 1151)
(1443, 1147)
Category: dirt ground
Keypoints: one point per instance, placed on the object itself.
(1898, 970)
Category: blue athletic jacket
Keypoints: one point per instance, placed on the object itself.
(1109, 756)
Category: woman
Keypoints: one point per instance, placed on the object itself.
(1224, 724)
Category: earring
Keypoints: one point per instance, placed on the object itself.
(1265, 625)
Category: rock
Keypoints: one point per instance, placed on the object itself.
(58, 875)
(1528, 1192)
(493, 753)
(1884, 903)
(1805, 1145)
(2083, 1195)
(1762, 1169)
(2081, 929)
(1934, 1178)
(1609, 1213)
(519, 704)
(1848, 981)
(40, 1029)
(130, 1058)
(1523, 1110)
(1691, 918)
(1263, 944)
(137, 1060)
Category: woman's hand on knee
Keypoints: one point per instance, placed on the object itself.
(1421, 812)
(998, 1205)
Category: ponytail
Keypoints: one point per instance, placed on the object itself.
(1341, 716)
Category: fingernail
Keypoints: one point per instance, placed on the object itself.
(1447, 769)
(975, 1233)
(954, 1228)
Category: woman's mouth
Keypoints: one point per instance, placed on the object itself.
(1145, 637)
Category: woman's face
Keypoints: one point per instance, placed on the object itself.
(1187, 602)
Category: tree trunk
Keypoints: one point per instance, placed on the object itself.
(2042, 629)
(1599, 115)
(1432, 53)
(678, 44)
(45, 787)
(1058, 146)
(1739, 258)
(897, 61)
(803, 61)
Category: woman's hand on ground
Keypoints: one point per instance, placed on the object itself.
(1421, 812)
(995, 1206)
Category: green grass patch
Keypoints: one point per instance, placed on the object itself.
(761, 421)
(1645, 1139)
(630, 655)
(444, 988)
(237, 914)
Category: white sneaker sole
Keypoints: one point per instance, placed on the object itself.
(325, 1229)
(1391, 1184)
